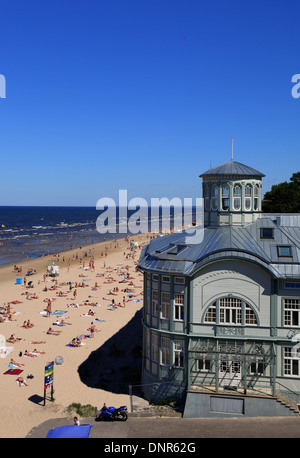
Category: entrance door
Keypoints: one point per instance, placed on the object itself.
(230, 373)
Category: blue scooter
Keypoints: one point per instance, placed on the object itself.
(111, 413)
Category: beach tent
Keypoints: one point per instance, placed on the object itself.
(70, 431)
(53, 269)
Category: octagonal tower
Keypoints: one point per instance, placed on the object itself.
(232, 194)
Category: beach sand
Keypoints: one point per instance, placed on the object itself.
(22, 407)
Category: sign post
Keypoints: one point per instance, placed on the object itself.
(48, 383)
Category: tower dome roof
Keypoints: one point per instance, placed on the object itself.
(233, 168)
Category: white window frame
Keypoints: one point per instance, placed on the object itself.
(248, 198)
(237, 197)
(178, 353)
(179, 307)
(203, 364)
(256, 197)
(225, 196)
(230, 312)
(291, 363)
(291, 312)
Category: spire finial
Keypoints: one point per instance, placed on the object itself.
(232, 148)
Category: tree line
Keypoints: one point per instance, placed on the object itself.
(283, 197)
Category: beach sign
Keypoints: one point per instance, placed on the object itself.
(48, 381)
(49, 375)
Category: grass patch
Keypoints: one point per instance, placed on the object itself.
(86, 410)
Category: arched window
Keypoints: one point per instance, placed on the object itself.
(231, 311)
(237, 197)
(248, 197)
(225, 197)
(256, 195)
(214, 197)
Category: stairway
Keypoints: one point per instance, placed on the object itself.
(287, 401)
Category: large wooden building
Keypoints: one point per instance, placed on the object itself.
(221, 316)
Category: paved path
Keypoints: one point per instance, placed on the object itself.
(176, 428)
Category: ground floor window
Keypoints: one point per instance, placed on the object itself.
(257, 368)
(203, 365)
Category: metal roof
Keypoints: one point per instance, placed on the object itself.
(233, 168)
(216, 243)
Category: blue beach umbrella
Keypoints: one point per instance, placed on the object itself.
(70, 431)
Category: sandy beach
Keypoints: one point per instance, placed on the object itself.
(90, 279)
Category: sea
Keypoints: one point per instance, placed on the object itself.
(31, 232)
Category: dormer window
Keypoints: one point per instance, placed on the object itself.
(225, 197)
(248, 197)
(237, 197)
(267, 233)
(284, 251)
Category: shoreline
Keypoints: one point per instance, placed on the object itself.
(22, 406)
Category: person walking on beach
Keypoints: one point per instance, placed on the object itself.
(92, 329)
(48, 309)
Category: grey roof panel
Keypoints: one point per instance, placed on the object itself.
(227, 241)
(233, 168)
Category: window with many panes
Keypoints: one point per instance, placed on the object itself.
(179, 307)
(165, 305)
(203, 365)
(179, 280)
(225, 197)
(165, 351)
(248, 197)
(291, 362)
(257, 367)
(230, 312)
(214, 197)
(155, 303)
(178, 353)
(154, 348)
(291, 311)
(237, 197)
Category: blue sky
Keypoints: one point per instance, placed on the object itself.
(144, 95)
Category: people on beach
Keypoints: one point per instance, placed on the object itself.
(89, 290)
(52, 332)
(21, 381)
